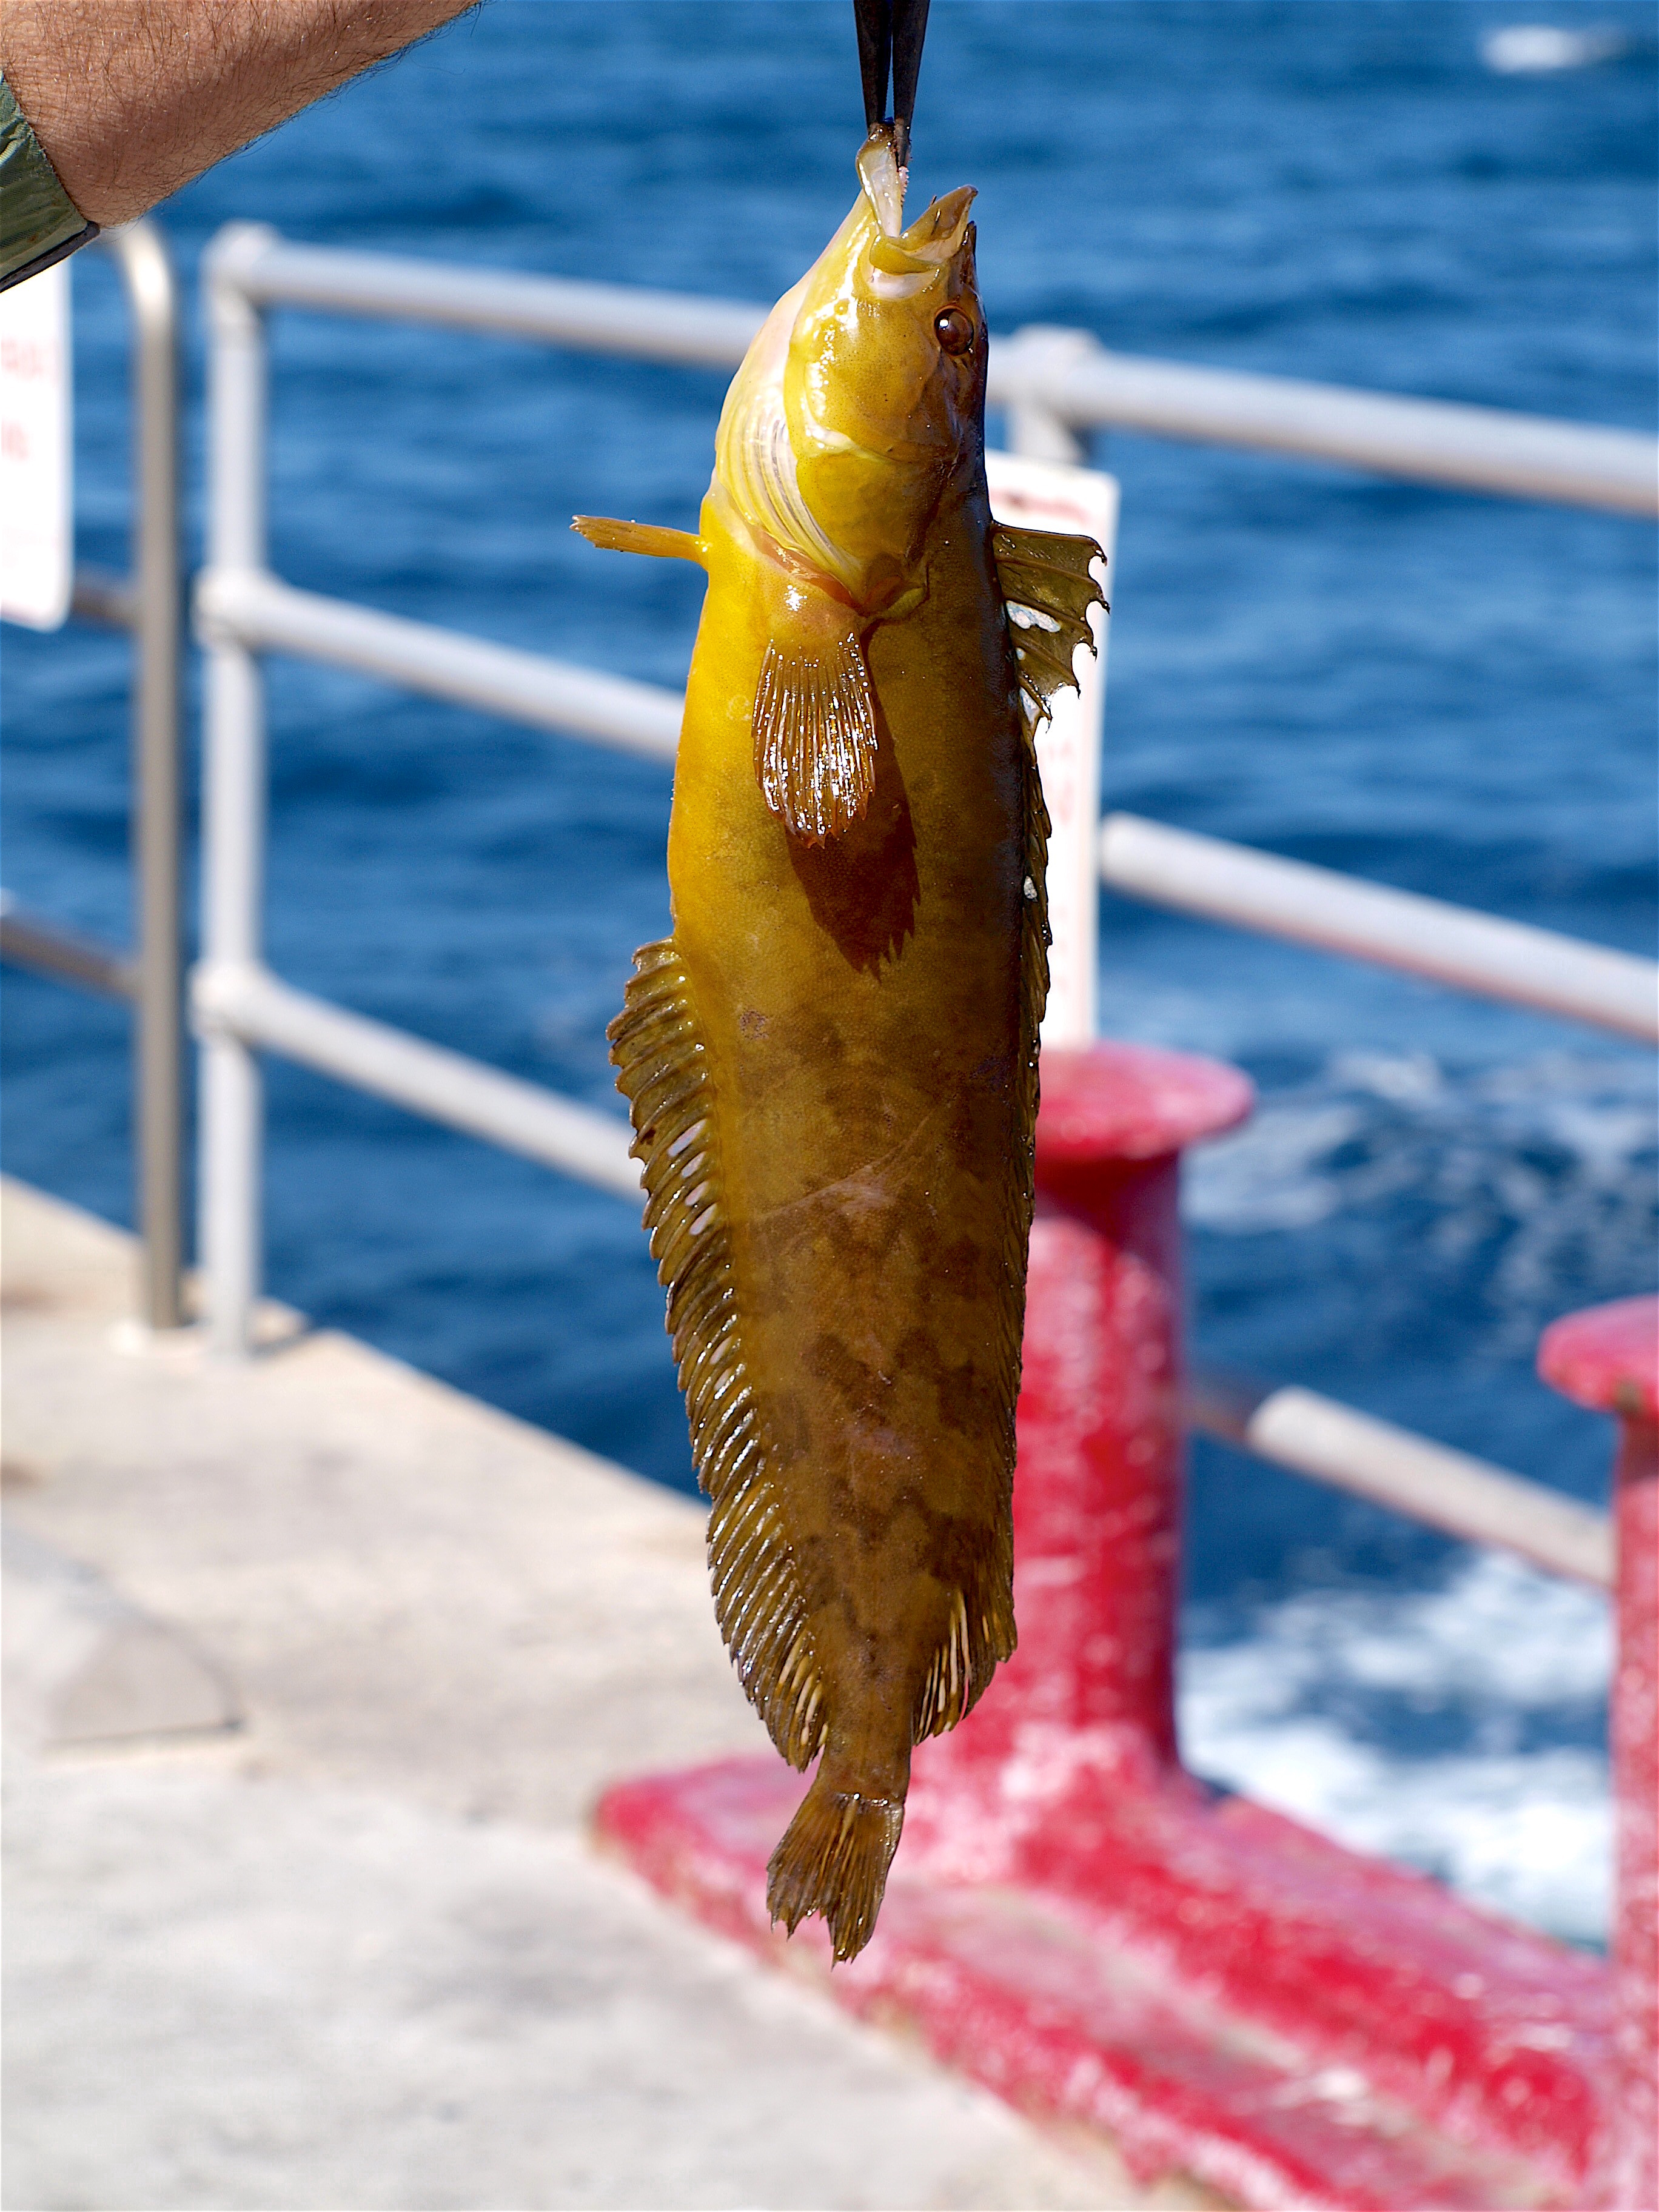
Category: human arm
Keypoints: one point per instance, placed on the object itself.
(130, 99)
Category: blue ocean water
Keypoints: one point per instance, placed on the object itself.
(1452, 694)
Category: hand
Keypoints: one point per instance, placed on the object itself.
(130, 99)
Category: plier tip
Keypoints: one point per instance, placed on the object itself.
(891, 34)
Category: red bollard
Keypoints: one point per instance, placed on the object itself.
(1098, 1495)
(1077, 1923)
(1607, 1358)
(1097, 1508)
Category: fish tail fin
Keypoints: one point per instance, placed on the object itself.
(834, 1860)
(612, 536)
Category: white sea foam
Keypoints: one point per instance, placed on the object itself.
(1535, 1175)
(1541, 48)
(1505, 1667)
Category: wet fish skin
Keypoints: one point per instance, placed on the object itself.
(831, 1064)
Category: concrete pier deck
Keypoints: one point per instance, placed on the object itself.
(354, 1949)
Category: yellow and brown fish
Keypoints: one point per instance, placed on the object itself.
(832, 1063)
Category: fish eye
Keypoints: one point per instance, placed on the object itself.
(954, 330)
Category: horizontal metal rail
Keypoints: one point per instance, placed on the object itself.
(612, 319)
(1435, 441)
(1485, 954)
(1479, 952)
(1312, 1435)
(1449, 1489)
(263, 615)
(1315, 1436)
(104, 595)
(251, 1004)
(1330, 1443)
(1063, 374)
(1482, 953)
(29, 941)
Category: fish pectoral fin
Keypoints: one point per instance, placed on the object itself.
(815, 721)
(612, 536)
(1048, 590)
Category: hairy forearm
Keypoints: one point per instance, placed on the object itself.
(131, 98)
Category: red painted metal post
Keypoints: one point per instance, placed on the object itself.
(1607, 1358)
(1073, 1920)
(1098, 1498)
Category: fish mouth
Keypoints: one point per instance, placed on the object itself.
(936, 235)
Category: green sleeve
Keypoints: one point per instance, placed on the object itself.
(40, 223)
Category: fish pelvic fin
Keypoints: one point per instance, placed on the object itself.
(661, 1062)
(612, 536)
(833, 1860)
(1048, 590)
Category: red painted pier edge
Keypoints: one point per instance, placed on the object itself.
(1607, 1357)
(1077, 1922)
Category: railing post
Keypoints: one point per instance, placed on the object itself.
(140, 254)
(1034, 428)
(234, 809)
(1607, 1358)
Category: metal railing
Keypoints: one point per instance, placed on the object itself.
(247, 1002)
(261, 614)
(150, 605)
(1448, 1490)
(1051, 384)
(1485, 954)
(1482, 953)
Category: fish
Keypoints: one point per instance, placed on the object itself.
(831, 1062)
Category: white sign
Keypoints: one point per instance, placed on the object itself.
(1048, 495)
(37, 516)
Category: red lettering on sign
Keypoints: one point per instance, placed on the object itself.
(26, 359)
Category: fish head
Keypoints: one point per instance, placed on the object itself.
(864, 391)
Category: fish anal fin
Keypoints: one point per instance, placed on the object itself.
(661, 1060)
(649, 537)
(1049, 587)
(814, 719)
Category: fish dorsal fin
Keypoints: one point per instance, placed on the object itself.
(1048, 589)
(662, 1069)
(815, 732)
(613, 536)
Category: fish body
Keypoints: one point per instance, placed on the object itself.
(832, 1062)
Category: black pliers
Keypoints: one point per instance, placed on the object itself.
(891, 32)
